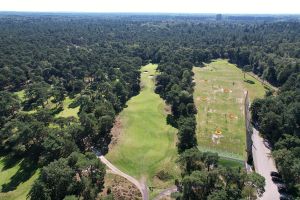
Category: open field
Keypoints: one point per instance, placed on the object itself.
(16, 178)
(219, 98)
(146, 145)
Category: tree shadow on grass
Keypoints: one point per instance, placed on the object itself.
(25, 172)
(9, 162)
(249, 81)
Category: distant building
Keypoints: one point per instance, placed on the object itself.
(219, 17)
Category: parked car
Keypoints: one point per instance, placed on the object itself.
(284, 196)
(276, 179)
(267, 144)
(281, 188)
(275, 174)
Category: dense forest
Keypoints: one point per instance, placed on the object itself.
(95, 61)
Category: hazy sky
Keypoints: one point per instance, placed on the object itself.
(170, 6)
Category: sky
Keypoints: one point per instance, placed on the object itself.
(156, 6)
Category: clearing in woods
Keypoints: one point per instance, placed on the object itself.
(219, 98)
(146, 145)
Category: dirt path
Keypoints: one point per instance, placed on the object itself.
(264, 164)
(113, 169)
(166, 192)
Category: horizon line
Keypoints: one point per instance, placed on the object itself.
(144, 12)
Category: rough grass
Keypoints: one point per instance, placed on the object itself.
(146, 144)
(219, 98)
(16, 178)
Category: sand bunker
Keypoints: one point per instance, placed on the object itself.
(204, 99)
(232, 116)
(145, 72)
(226, 90)
(150, 76)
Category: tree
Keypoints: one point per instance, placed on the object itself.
(218, 195)
(190, 160)
(254, 184)
(271, 126)
(54, 181)
(9, 105)
(37, 94)
(186, 134)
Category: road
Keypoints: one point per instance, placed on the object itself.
(264, 164)
(141, 186)
(166, 192)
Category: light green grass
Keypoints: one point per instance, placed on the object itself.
(21, 95)
(6, 176)
(223, 110)
(146, 144)
(230, 163)
(68, 112)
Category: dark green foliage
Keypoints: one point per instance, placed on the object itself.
(9, 105)
(96, 61)
(174, 84)
(203, 179)
(78, 175)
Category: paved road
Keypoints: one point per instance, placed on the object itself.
(141, 186)
(166, 192)
(264, 164)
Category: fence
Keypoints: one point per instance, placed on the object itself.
(248, 126)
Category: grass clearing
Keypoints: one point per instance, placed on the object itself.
(21, 95)
(17, 177)
(68, 112)
(219, 98)
(146, 144)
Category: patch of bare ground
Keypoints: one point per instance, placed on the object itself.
(120, 188)
(115, 132)
(167, 109)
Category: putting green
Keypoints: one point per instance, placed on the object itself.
(146, 144)
(219, 98)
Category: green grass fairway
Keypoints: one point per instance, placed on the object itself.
(146, 144)
(219, 98)
(15, 176)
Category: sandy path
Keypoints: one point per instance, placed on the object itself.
(113, 169)
(166, 192)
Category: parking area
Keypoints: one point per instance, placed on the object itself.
(264, 165)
